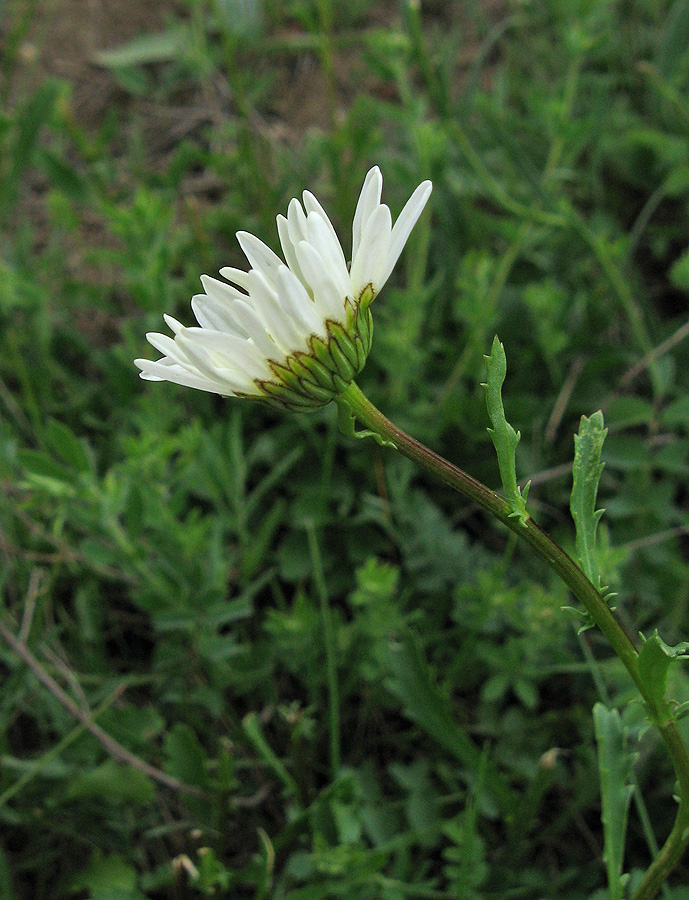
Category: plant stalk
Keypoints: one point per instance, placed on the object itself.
(580, 586)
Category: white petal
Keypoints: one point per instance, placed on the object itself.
(220, 355)
(169, 348)
(278, 324)
(372, 255)
(369, 200)
(159, 371)
(296, 221)
(311, 205)
(260, 255)
(403, 226)
(236, 276)
(325, 241)
(172, 323)
(220, 289)
(212, 367)
(214, 314)
(297, 303)
(254, 326)
(329, 301)
(288, 247)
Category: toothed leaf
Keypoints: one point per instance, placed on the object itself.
(655, 659)
(588, 444)
(504, 437)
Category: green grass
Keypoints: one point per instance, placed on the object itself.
(371, 691)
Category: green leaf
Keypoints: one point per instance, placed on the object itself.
(42, 464)
(107, 878)
(655, 659)
(679, 272)
(63, 442)
(64, 175)
(588, 444)
(676, 414)
(626, 412)
(425, 704)
(146, 48)
(671, 52)
(347, 422)
(254, 732)
(6, 889)
(35, 113)
(504, 437)
(615, 762)
(186, 756)
(112, 781)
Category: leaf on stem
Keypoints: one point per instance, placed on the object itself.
(655, 659)
(504, 437)
(615, 762)
(347, 422)
(587, 469)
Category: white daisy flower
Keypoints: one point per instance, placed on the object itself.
(292, 333)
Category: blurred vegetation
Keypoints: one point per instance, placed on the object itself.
(166, 556)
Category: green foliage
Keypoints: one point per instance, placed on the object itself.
(615, 762)
(586, 473)
(655, 659)
(154, 541)
(504, 437)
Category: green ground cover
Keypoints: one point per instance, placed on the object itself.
(166, 556)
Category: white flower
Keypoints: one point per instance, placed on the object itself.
(293, 333)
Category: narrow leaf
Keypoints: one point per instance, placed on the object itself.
(424, 703)
(35, 113)
(588, 444)
(615, 762)
(65, 444)
(504, 437)
(146, 48)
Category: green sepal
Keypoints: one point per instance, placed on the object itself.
(504, 437)
(655, 659)
(363, 325)
(344, 367)
(319, 348)
(367, 330)
(285, 376)
(323, 395)
(347, 422)
(366, 298)
(360, 352)
(311, 369)
(340, 384)
(295, 389)
(586, 472)
(310, 379)
(295, 386)
(345, 343)
(288, 397)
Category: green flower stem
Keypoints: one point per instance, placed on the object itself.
(575, 579)
(673, 848)
(330, 650)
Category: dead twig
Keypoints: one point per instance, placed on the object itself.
(112, 747)
(563, 399)
(634, 371)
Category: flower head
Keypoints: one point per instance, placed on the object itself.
(292, 333)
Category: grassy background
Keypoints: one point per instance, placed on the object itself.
(166, 555)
